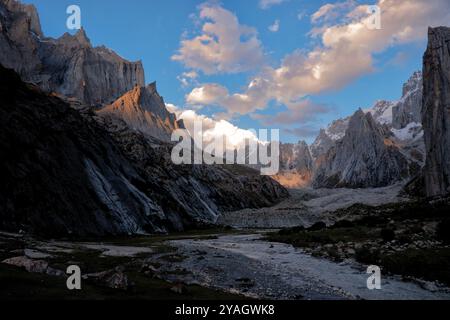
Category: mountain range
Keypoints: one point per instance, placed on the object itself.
(86, 143)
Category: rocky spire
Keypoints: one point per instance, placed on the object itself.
(365, 157)
(408, 109)
(436, 112)
(69, 66)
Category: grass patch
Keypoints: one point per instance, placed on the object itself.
(428, 264)
(305, 238)
(19, 284)
(90, 261)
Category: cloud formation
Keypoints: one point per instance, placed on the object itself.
(302, 132)
(188, 78)
(213, 129)
(300, 112)
(266, 4)
(275, 27)
(223, 46)
(346, 52)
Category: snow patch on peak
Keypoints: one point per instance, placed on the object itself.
(410, 132)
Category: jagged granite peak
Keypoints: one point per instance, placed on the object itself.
(79, 39)
(69, 65)
(408, 108)
(321, 144)
(364, 157)
(296, 165)
(436, 112)
(29, 11)
(327, 137)
(144, 110)
(382, 111)
(19, 38)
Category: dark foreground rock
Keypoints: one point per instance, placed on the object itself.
(64, 174)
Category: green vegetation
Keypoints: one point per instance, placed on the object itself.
(16, 283)
(313, 239)
(19, 284)
(405, 238)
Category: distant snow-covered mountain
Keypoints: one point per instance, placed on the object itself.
(400, 124)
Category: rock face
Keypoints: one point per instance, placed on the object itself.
(399, 128)
(192, 193)
(382, 111)
(409, 108)
(64, 173)
(436, 112)
(69, 66)
(144, 110)
(296, 165)
(328, 137)
(365, 157)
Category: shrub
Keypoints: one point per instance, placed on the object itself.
(387, 235)
(344, 224)
(443, 230)
(367, 255)
(317, 226)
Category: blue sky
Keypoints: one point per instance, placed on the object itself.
(152, 31)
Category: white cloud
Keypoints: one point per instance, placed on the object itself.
(266, 4)
(208, 94)
(224, 45)
(332, 11)
(299, 112)
(346, 53)
(188, 78)
(275, 27)
(213, 128)
(301, 15)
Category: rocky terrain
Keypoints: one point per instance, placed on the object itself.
(397, 125)
(69, 65)
(307, 206)
(144, 110)
(409, 108)
(68, 174)
(86, 155)
(62, 173)
(86, 145)
(296, 165)
(436, 112)
(364, 157)
(206, 265)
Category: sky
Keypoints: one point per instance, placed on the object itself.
(293, 65)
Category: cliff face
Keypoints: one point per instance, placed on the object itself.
(62, 174)
(19, 33)
(71, 173)
(436, 112)
(144, 110)
(365, 157)
(296, 165)
(69, 65)
(409, 108)
(328, 137)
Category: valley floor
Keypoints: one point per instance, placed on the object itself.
(215, 266)
(308, 206)
(249, 265)
(407, 239)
